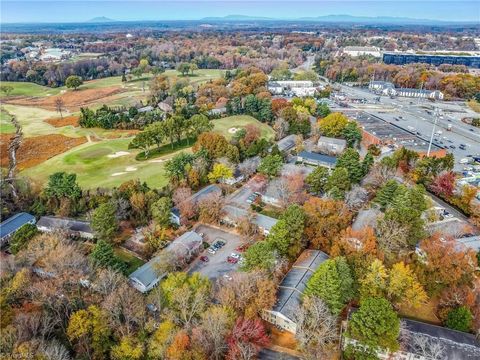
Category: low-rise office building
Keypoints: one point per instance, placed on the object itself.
(356, 51)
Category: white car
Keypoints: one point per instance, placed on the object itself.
(228, 277)
(235, 256)
(211, 251)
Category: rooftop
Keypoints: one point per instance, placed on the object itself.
(318, 157)
(287, 143)
(210, 189)
(293, 284)
(14, 223)
(263, 221)
(472, 242)
(331, 140)
(53, 222)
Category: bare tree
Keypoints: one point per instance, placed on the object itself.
(59, 106)
(249, 166)
(126, 309)
(107, 281)
(356, 197)
(392, 237)
(317, 330)
(13, 147)
(210, 208)
(281, 128)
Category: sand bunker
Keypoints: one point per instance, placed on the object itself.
(232, 130)
(118, 154)
(130, 168)
(157, 161)
(118, 173)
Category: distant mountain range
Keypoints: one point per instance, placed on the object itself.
(100, 19)
(336, 19)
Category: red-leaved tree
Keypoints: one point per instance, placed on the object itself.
(443, 184)
(247, 338)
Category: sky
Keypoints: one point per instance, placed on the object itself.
(20, 11)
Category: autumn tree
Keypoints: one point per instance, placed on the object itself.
(220, 172)
(247, 338)
(129, 348)
(248, 293)
(326, 218)
(215, 144)
(89, 331)
(160, 340)
(375, 325)
(443, 184)
(446, 265)
(333, 283)
(210, 208)
(333, 124)
(186, 296)
(181, 198)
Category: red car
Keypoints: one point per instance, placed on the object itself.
(242, 248)
(232, 260)
(204, 258)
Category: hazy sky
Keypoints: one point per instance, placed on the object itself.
(72, 11)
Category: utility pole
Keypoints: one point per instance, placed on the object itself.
(436, 113)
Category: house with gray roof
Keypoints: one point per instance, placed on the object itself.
(471, 242)
(146, 277)
(72, 227)
(232, 215)
(331, 146)
(291, 290)
(420, 337)
(287, 143)
(10, 226)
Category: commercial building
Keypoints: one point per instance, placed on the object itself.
(388, 89)
(355, 51)
(407, 58)
(379, 132)
(294, 87)
(72, 227)
(182, 248)
(10, 226)
(291, 290)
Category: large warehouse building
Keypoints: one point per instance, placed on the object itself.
(406, 58)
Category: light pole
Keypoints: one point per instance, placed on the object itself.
(433, 130)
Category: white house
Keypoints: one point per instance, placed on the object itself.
(330, 145)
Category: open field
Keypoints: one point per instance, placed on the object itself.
(238, 121)
(28, 89)
(6, 127)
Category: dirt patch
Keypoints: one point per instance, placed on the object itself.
(121, 134)
(72, 99)
(65, 121)
(35, 150)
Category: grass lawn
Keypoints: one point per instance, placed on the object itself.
(133, 263)
(94, 168)
(31, 119)
(237, 121)
(28, 89)
(6, 127)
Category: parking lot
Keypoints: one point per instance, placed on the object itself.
(239, 197)
(217, 264)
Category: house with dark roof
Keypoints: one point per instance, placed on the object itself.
(10, 226)
(72, 227)
(419, 340)
(316, 159)
(287, 143)
(291, 290)
(148, 276)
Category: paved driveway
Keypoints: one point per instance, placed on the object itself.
(217, 266)
(239, 197)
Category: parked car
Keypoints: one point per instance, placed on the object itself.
(234, 255)
(232, 260)
(212, 250)
(242, 248)
(204, 258)
(228, 277)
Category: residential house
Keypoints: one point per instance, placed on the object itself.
(10, 226)
(291, 290)
(311, 158)
(331, 146)
(235, 179)
(421, 337)
(183, 248)
(274, 193)
(287, 143)
(232, 215)
(72, 227)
